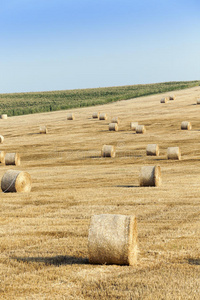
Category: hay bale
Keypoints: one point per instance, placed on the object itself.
(103, 116)
(4, 116)
(113, 127)
(133, 125)
(164, 100)
(186, 125)
(172, 97)
(1, 139)
(43, 130)
(16, 181)
(152, 149)
(108, 151)
(12, 159)
(115, 120)
(70, 116)
(112, 239)
(150, 176)
(95, 115)
(140, 129)
(198, 101)
(173, 153)
(2, 157)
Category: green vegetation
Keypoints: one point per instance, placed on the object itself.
(29, 103)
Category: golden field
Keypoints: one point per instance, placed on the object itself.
(44, 234)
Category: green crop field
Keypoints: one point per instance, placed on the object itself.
(29, 103)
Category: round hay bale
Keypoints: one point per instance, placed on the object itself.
(12, 159)
(4, 116)
(16, 181)
(164, 100)
(95, 115)
(113, 127)
(172, 97)
(108, 151)
(2, 157)
(173, 153)
(198, 101)
(152, 149)
(186, 125)
(43, 130)
(133, 125)
(70, 116)
(112, 239)
(140, 129)
(1, 139)
(103, 116)
(115, 120)
(150, 176)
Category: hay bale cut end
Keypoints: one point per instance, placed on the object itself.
(95, 115)
(2, 157)
(108, 151)
(4, 116)
(186, 125)
(112, 239)
(115, 120)
(133, 125)
(113, 127)
(103, 116)
(152, 149)
(43, 130)
(12, 159)
(164, 100)
(173, 153)
(172, 97)
(1, 139)
(16, 181)
(198, 101)
(150, 176)
(140, 129)
(70, 117)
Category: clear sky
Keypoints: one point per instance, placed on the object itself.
(68, 44)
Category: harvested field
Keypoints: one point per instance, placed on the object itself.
(44, 233)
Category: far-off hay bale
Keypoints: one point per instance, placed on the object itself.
(16, 181)
(43, 130)
(133, 125)
(112, 239)
(172, 97)
(186, 125)
(140, 129)
(70, 117)
(152, 149)
(173, 153)
(1, 139)
(103, 116)
(4, 116)
(2, 157)
(95, 115)
(198, 101)
(113, 127)
(150, 176)
(164, 100)
(115, 120)
(108, 151)
(12, 159)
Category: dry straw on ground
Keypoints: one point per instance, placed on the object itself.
(133, 125)
(103, 116)
(173, 153)
(150, 176)
(164, 100)
(113, 127)
(152, 149)
(12, 159)
(70, 116)
(95, 115)
(2, 157)
(16, 181)
(140, 129)
(108, 151)
(185, 125)
(112, 239)
(4, 116)
(43, 130)
(115, 120)
(1, 139)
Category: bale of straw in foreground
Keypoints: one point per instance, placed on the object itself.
(186, 125)
(70, 116)
(12, 159)
(173, 153)
(108, 151)
(164, 100)
(2, 157)
(112, 239)
(140, 129)
(95, 115)
(113, 127)
(4, 116)
(43, 130)
(103, 116)
(1, 139)
(16, 181)
(150, 176)
(133, 125)
(198, 101)
(115, 120)
(172, 97)
(152, 149)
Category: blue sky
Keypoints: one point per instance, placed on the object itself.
(55, 44)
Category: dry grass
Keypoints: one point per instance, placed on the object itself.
(44, 234)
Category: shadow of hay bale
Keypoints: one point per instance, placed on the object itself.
(194, 261)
